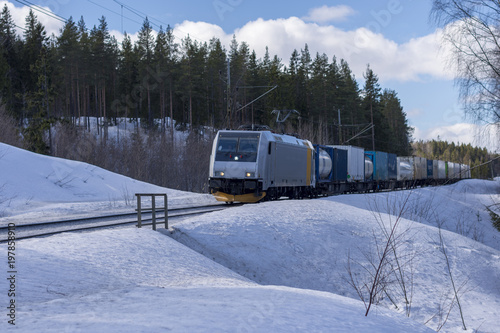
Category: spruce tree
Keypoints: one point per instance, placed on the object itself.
(145, 45)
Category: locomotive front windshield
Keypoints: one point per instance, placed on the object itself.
(237, 147)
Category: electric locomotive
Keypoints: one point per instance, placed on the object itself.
(247, 166)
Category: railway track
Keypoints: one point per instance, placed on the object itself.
(48, 228)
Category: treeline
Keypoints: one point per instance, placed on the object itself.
(476, 157)
(84, 73)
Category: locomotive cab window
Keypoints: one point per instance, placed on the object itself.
(237, 147)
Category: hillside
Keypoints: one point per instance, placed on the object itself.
(283, 263)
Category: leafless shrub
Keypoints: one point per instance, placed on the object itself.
(128, 197)
(456, 288)
(150, 155)
(495, 217)
(470, 228)
(9, 133)
(389, 267)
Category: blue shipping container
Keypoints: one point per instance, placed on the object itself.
(429, 169)
(339, 164)
(392, 166)
(338, 158)
(380, 165)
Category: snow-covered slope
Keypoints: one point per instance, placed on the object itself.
(141, 281)
(34, 186)
(283, 262)
(307, 244)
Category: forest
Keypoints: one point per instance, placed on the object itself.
(477, 158)
(64, 93)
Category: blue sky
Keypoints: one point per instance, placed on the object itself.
(394, 36)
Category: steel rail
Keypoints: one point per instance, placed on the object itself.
(18, 228)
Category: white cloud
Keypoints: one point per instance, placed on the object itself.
(477, 135)
(414, 60)
(411, 61)
(326, 14)
(19, 14)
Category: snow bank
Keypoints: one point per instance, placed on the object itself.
(306, 244)
(132, 280)
(34, 185)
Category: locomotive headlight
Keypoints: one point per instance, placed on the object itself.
(219, 173)
(250, 174)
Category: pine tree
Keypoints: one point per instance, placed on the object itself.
(371, 107)
(349, 104)
(319, 100)
(129, 80)
(216, 66)
(39, 101)
(145, 45)
(84, 71)
(68, 52)
(399, 136)
(10, 46)
(191, 80)
(35, 39)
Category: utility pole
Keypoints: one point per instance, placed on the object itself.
(340, 128)
(373, 127)
(228, 92)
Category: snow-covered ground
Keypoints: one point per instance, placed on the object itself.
(269, 267)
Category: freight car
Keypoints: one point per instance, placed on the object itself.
(250, 166)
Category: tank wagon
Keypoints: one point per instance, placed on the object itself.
(250, 166)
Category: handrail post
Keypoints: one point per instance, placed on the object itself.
(139, 223)
(165, 205)
(153, 207)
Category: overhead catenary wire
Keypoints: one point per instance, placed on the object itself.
(150, 19)
(112, 11)
(43, 10)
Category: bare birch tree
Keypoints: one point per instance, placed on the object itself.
(472, 29)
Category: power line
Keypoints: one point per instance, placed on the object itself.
(144, 16)
(139, 13)
(112, 11)
(42, 10)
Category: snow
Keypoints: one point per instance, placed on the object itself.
(35, 186)
(268, 267)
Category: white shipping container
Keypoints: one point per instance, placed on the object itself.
(420, 167)
(453, 170)
(405, 168)
(441, 169)
(435, 169)
(464, 171)
(355, 162)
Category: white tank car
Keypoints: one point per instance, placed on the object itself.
(247, 166)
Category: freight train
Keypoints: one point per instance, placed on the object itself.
(252, 166)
